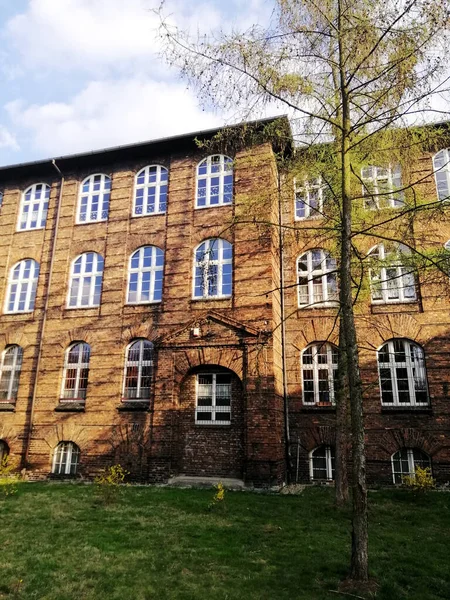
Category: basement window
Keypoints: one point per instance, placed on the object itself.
(405, 461)
(65, 459)
(213, 393)
(321, 463)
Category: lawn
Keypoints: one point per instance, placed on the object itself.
(59, 542)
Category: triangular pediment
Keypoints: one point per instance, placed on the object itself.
(209, 328)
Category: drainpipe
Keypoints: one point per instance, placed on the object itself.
(287, 448)
(44, 318)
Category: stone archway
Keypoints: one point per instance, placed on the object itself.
(211, 437)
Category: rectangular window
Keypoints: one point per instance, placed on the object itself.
(213, 392)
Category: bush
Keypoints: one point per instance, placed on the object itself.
(8, 478)
(219, 497)
(421, 481)
(109, 483)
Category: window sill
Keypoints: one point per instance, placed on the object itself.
(82, 307)
(318, 306)
(149, 303)
(27, 229)
(318, 407)
(153, 214)
(91, 222)
(213, 205)
(7, 407)
(211, 298)
(71, 406)
(133, 405)
(406, 409)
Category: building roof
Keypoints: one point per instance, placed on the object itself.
(168, 145)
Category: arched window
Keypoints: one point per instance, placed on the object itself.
(22, 285)
(213, 392)
(86, 280)
(441, 167)
(319, 370)
(11, 366)
(317, 281)
(65, 459)
(145, 275)
(405, 461)
(321, 463)
(382, 187)
(213, 269)
(214, 181)
(76, 371)
(34, 207)
(95, 192)
(309, 198)
(4, 451)
(390, 280)
(402, 372)
(150, 193)
(138, 371)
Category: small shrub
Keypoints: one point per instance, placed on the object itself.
(109, 483)
(421, 481)
(8, 478)
(219, 497)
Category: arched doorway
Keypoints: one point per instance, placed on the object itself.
(211, 423)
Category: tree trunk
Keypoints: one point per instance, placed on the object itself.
(359, 569)
(341, 395)
(359, 565)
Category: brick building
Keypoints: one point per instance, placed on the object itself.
(142, 323)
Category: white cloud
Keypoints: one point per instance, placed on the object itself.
(108, 113)
(7, 139)
(91, 35)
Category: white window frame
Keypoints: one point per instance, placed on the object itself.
(213, 408)
(312, 275)
(384, 181)
(411, 364)
(392, 289)
(411, 463)
(105, 190)
(94, 274)
(315, 367)
(28, 284)
(206, 263)
(306, 191)
(223, 172)
(147, 186)
(14, 370)
(42, 210)
(141, 270)
(140, 364)
(72, 457)
(328, 464)
(73, 395)
(441, 171)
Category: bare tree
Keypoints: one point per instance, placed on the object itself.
(353, 74)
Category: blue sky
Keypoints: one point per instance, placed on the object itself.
(84, 74)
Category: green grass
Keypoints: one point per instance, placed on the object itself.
(58, 542)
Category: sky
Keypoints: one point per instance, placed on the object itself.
(80, 75)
